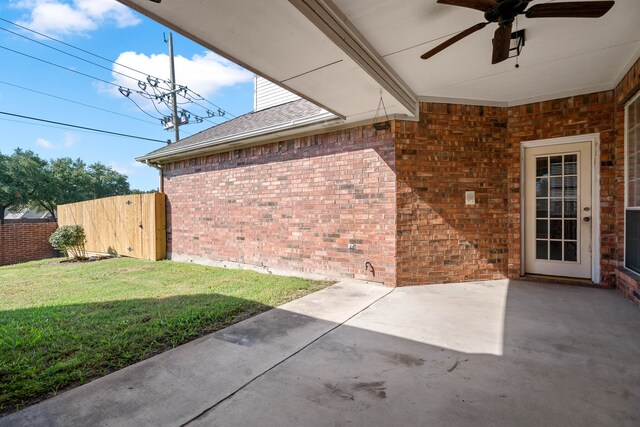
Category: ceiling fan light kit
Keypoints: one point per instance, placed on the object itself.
(517, 43)
(504, 12)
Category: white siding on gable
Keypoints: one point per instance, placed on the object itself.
(267, 94)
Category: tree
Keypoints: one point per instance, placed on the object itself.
(36, 183)
(37, 188)
(9, 193)
(107, 182)
(76, 179)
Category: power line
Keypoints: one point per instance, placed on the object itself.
(125, 91)
(63, 67)
(51, 126)
(209, 113)
(200, 97)
(82, 127)
(75, 47)
(75, 102)
(121, 88)
(70, 54)
(39, 124)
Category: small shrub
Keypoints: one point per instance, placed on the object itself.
(70, 239)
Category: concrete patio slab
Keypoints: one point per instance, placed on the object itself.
(491, 353)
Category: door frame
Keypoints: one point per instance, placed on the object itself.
(594, 139)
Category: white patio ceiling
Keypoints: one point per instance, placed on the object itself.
(339, 54)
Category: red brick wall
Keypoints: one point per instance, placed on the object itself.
(628, 284)
(296, 205)
(25, 241)
(577, 115)
(450, 150)
(456, 148)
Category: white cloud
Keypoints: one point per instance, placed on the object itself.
(67, 142)
(66, 17)
(123, 168)
(70, 139)
(45, 143)
(205, 74)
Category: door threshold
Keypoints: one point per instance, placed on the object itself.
(560, 279)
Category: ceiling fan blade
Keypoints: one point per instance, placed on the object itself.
(501, 44)
(454, 39)
(481, 5)
(576, 9)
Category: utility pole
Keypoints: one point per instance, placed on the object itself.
(174, 102)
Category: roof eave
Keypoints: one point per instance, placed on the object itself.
(256, 136)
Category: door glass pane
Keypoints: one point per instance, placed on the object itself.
(556, 208)
(555, 229)
(542, 249)
(570, 253)
(542, 226)
(570, 164)
(570, 186)
(542, 166)
(542, 187)
(570, 209)
(556, 187)
(555, 250)
(542, 210)
(556, 165)
(570, 230)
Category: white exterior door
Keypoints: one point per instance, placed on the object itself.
(558, 210)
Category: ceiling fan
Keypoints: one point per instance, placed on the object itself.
(503, 12)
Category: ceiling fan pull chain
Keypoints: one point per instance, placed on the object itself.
(518, 54)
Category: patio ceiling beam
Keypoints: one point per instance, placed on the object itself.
(328, 18)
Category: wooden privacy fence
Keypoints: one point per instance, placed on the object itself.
(133, 226)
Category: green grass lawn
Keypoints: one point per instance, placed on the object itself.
(63, 324)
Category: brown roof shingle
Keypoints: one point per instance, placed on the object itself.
(254, 121)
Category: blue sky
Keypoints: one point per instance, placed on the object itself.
(106, 28)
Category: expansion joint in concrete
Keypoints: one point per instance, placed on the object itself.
(230, 395)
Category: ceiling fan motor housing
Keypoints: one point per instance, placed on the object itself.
(505, 11)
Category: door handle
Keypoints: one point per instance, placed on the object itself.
(586, 219)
